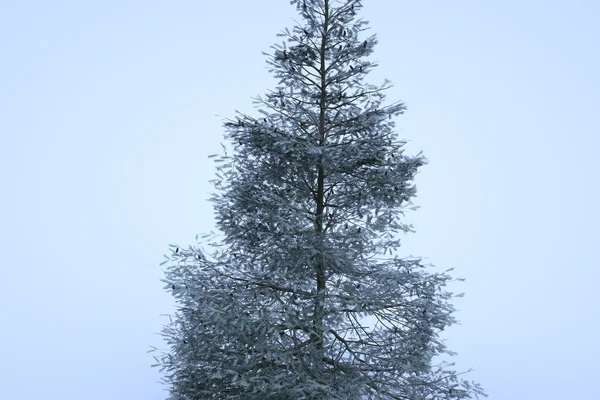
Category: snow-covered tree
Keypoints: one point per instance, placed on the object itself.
(309, 206)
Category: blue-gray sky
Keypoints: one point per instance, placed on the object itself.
(107, 115)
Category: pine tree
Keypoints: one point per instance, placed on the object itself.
(310, 205)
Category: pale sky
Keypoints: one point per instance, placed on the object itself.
(107, 115)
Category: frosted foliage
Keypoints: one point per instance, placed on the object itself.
(310, 206)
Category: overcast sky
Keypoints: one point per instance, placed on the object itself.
(107, 115)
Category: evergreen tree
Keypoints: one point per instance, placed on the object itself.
(310, 206)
